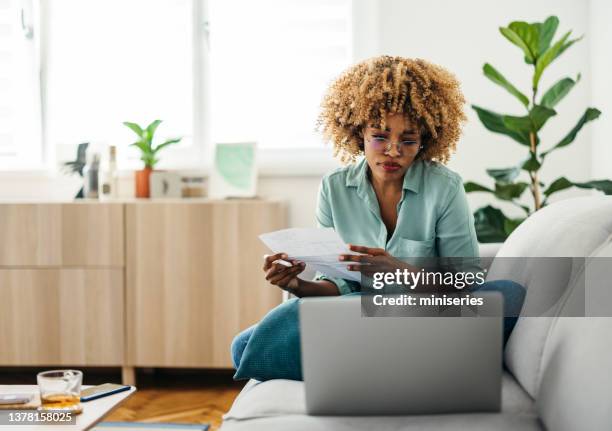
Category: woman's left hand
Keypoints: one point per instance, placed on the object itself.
(372, 260)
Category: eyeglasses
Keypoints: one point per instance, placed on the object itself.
(383, 144)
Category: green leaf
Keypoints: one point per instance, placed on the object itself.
(558, 91)
(568, 44)
(518, 128)
(513, 37)
(149, 159)
(166, 143)
(563, 183)
(504, 176)
(518, 124)
(534, 39)
(142, 146)
(490, 224)
(546, 32)
(134, 127)
(589, 115)
(550, 55)
(601, 185)
(495, 123)
(539, 115)
(491, 73)
(508, 192)
(528, 33)
(151, 128)
(474, 187)
(531, 123)
(558, 185)
(531, 163)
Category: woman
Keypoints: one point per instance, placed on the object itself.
(404, 116)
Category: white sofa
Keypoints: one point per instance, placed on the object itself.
(559, 369)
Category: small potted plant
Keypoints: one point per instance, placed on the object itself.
(148, 154)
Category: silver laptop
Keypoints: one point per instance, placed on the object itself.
(356, 365)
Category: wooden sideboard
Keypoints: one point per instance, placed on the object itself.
(132, 284)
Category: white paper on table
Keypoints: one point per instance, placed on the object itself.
(317, 247)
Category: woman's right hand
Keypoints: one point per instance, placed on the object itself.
(280, 275)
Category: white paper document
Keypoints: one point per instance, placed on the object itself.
(317, 247)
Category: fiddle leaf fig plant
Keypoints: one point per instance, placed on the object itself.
(535, 40)
(145, 142)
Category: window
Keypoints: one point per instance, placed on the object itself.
(111, 61)
(271, 61)
(20, 116)
(260, 76)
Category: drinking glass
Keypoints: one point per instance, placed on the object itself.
(60, 390)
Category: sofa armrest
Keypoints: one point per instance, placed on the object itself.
(489, 249)
(487, 253)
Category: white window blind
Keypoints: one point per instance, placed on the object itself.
(111, 61)
(271, 61)
(20, 124)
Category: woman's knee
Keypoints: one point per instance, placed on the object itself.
(239, 343)
(514, 296)
(512, 292)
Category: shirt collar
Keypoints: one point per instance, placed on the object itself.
(358, 175)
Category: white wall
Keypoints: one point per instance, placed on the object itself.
(600, 44)
(462, 36)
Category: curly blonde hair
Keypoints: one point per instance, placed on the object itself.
(365, 93)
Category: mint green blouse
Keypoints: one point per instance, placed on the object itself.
(434, 218)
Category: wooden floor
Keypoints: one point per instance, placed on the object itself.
(179, 396)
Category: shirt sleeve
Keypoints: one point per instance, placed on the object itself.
(456, 235)
(325, 218)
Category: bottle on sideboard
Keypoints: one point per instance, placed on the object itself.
(91, 177)
(108, 177)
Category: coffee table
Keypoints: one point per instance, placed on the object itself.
(93, 411)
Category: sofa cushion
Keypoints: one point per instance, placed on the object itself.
(575, 382)
(570, 228)
(280, 405)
